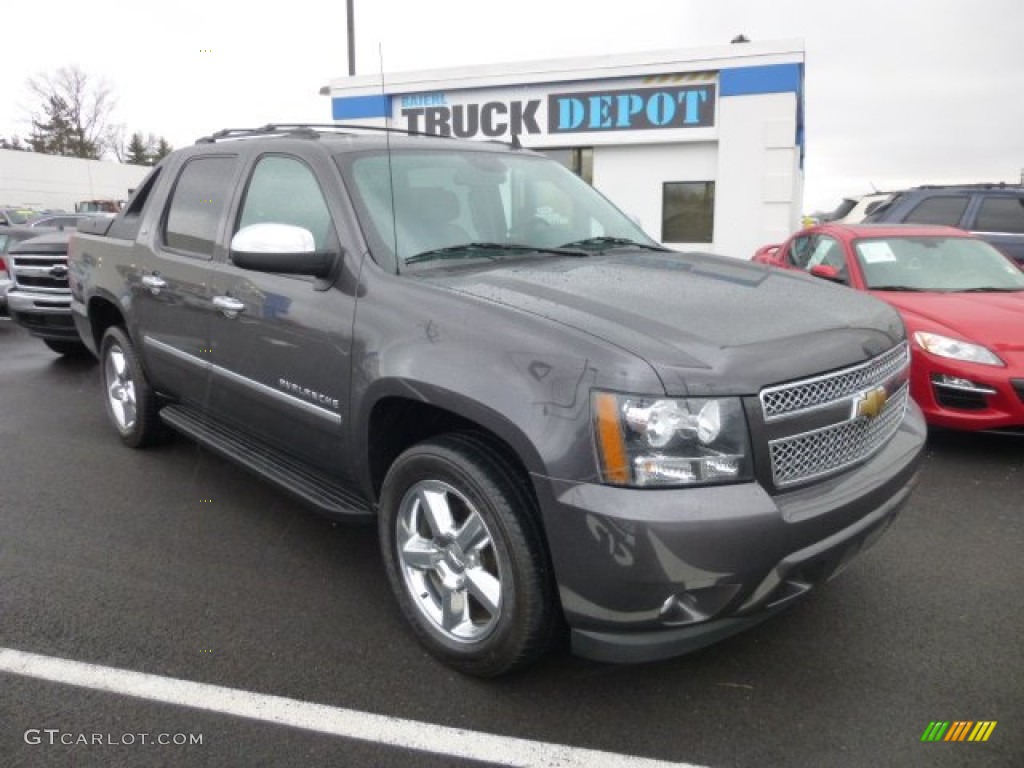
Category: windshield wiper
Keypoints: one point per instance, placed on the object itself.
(989, 290)
(897, 288)
(468, 250)
(611, 241)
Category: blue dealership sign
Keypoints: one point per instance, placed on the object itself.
(686, 106)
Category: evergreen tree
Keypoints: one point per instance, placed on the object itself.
(138, 151)
(13, 143)
(163, 149)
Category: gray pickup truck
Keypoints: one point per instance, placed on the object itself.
(559, 425)
(35, 294)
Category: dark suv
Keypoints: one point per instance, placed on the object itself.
(552, 418)
(993, 212)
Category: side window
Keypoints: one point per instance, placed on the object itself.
(827, 252)
(1001, 214)
(945, 210)
(283, 190)
(126, 225)
(197, 205)
(800, 251)
(872, 207)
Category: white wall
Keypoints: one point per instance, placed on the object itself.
(48, 181)
(632, 178)
(760, 184)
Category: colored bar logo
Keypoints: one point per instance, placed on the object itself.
(958, 730)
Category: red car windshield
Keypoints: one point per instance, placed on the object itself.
(940, 264)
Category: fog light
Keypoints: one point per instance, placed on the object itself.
(961, 384)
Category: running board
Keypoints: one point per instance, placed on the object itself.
(314, 488)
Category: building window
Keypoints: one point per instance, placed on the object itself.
(579, 160)
(688, 211)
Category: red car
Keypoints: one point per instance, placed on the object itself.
(961, 300)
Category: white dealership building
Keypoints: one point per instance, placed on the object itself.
(35, 180)
(703, 146)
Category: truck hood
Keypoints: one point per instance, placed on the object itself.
(706, 324)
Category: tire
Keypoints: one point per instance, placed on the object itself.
(67, 348)
(130, 401)
(465, 557)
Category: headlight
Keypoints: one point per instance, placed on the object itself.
(670, 441)
(943, 346)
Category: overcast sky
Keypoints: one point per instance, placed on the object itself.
(899, 92)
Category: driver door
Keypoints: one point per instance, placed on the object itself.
(281, 343)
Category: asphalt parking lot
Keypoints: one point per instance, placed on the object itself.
(176, 564)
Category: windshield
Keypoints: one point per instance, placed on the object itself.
(423, 208)
(943, 264)
(16, 216)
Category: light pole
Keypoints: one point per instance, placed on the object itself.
(351, 40)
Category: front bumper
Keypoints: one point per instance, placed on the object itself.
(994, 401)
(45, 315)
(648, 574)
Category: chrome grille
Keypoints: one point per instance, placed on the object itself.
(824, 451)
(790, 399)
(46, 273)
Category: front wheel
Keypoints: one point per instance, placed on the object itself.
(130, 400)
(465, 556)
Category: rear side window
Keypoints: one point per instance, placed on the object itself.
(197, 205)
(1001, 214)
(127, 224)
(946, 210)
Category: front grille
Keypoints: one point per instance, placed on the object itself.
(833, 448)
(45, 273)
(790, 399)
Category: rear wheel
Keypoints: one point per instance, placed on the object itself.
(67, 348)
(130, 400)
(465, 557)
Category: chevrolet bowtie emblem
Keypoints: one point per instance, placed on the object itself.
(869, 403)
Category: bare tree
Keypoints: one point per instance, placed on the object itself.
(114, 141)
(71, 116)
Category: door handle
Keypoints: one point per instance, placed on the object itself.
(228, 306)
(154, 283)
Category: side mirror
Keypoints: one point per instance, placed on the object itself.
(827, 272)
(769, 254)
(281, 248)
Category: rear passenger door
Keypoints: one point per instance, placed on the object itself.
(281, 343)
(170, 279)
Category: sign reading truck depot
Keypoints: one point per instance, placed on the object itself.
(632, 109)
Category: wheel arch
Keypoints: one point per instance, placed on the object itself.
(103, 312)
(396, 421)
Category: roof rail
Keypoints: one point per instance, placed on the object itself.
(974, 185)
(305, 131)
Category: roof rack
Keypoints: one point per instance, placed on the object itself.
(975, 185)
(306, 131)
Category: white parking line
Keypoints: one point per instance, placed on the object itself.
(348, 723)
